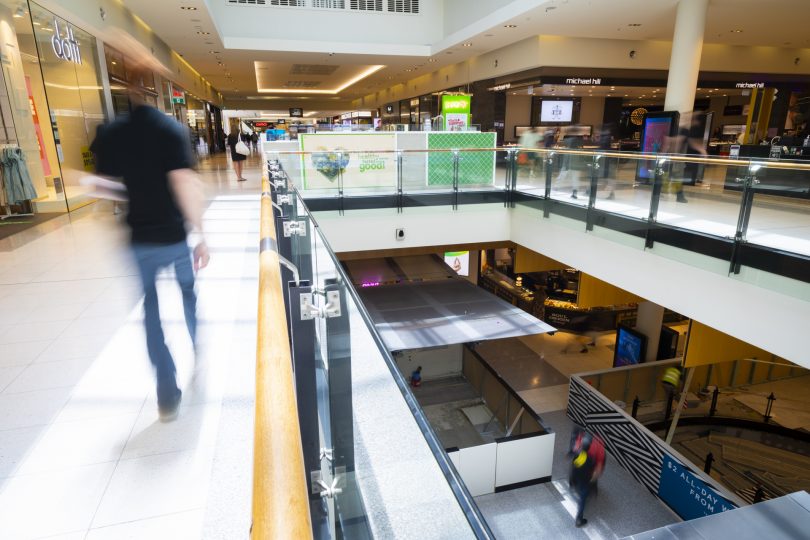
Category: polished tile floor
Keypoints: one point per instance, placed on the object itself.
(82, 453)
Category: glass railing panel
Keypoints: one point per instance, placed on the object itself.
(414, 171)
(709, 209)
(368, 422)
(531, 171)
(570, 173)
(478, 170)
(617, 189)
(780, 213)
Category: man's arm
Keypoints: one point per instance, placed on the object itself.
(188, 194)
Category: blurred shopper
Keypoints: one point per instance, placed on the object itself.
(572, 164)
(530, 140)
(416, 377)
(606, 144)
(582, 470)
(254, 140)
(688, 141)
(152, 154)
(236, 155)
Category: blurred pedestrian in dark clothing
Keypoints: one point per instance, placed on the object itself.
(582, 473)
(236, 157)
(152, 154)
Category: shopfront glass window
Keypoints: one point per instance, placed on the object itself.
(25, 108)
(71, 74)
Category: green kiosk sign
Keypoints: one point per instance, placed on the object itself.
(456, 112)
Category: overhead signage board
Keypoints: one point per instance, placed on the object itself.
(456, 111)
(296, 112)
(687, 494)
(178, 96)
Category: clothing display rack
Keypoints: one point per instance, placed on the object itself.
(5, 196)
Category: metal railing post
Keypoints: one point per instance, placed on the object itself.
(400, 198)
(594, 184)
(455, 178)
(744, 217)
(655, 199)
(547, 193)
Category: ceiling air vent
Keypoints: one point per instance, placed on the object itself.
(312, 69)
(366, 5)
(287, 3)
(248, 2)
(302, 84)
(403, 6)
(329, 4)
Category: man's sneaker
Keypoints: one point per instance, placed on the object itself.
(168, 411)
(582, 522)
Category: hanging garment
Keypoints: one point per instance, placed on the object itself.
(16, 177)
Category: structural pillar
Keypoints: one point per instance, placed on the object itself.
(648, 321)
(684, 61)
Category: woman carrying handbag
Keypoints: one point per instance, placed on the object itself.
(239, 152)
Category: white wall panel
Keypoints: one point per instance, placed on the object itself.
(361, 230)
(524, 459)
(477, 468)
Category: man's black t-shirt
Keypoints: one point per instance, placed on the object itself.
(142, 149)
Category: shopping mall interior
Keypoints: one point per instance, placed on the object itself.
(495, 269)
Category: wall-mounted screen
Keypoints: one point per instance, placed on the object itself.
(631, 347)
(556, 111)
(459, 261)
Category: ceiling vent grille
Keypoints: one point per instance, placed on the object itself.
(248, 2)
(366, 5)
(329, 4)
(312, 69)
(288, 3)
(403, 6)
(302, 84)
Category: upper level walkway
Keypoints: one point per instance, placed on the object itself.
(82, 452)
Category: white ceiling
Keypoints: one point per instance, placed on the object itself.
(194, 34)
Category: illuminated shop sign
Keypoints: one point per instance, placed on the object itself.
(750, 85)
(593, 81)
(65, 47)
(500, 87)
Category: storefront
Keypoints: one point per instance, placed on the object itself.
(617, 100)
(55, 98)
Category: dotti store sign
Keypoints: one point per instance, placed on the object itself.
(65, 47)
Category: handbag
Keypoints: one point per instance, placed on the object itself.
(241, 148)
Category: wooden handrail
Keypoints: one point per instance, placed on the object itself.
(280, 501)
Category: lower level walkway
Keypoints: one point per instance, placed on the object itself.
(620, 507)
(82, 453)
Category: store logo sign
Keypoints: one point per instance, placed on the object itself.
(65, 48)
(593, 81)
(747, 85)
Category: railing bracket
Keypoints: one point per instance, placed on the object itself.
(327, 491)
(327, 311)
(295, 228)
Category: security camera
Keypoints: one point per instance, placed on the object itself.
(632, 54)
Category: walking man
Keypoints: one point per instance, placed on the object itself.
(152, 154)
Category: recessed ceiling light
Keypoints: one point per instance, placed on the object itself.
(634, 24)
(737, 31)
(510, 26)
(204, 33)
(114, 63)
(432, 60)
(468, 44)
(188, 8)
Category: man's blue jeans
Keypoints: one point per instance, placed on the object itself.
(151, 258)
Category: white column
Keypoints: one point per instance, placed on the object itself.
(648, 321)
(684, 62)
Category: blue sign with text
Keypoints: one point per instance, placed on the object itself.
(687, 494)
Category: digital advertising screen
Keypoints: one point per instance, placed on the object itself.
(630, 347)
(556, 111)
(656, 129)
(459, 261)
